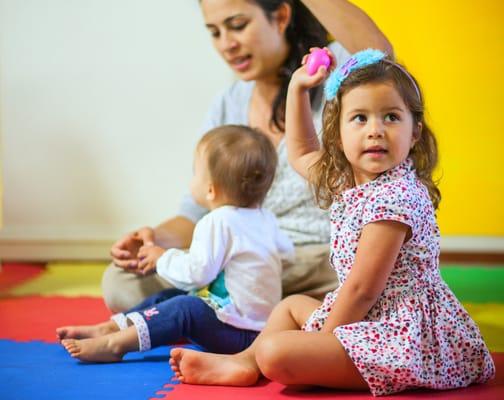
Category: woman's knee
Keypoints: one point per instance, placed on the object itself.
(111, 290)
(123, 290)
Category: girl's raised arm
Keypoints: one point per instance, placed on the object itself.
(349, 25)
(303, 147)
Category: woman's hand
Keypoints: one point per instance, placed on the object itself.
(124, 252)
(148, 256)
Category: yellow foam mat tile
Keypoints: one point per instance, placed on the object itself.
(490, 320)
(65, 279)
(83, 279)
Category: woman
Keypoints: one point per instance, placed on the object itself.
(263, 42)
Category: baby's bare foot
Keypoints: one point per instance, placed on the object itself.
(200, 368)
(86, 331)
(100, 349)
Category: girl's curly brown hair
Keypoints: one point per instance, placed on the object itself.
(332, 174)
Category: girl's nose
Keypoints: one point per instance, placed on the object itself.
(376, 129)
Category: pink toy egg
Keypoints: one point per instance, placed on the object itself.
(316, 59)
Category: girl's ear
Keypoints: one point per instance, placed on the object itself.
(416, 134)
(283, 16)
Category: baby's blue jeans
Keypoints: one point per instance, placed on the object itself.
(172, 315)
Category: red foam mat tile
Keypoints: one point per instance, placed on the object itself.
(36, 317)
(15, 274)
(493, 390)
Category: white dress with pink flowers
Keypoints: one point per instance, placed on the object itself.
(417, 335)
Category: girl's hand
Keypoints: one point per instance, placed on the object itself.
(302, 80)
(148, 256)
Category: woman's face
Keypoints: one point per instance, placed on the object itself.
(253, 46)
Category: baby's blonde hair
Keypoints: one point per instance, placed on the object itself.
(332, 173)
(241, 161)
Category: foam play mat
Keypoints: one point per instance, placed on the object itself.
(37, 298)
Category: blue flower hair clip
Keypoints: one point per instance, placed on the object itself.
(358, 60)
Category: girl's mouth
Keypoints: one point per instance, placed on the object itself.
(376, 151)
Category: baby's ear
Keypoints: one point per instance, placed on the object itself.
(211, 193)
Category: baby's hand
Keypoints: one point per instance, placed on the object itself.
(148, 256)
(305, 78)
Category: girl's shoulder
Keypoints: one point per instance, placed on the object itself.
(406, 194)
(404, 188)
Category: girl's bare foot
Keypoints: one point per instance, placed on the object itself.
(100, 349)
(199, 368)
(86, 331)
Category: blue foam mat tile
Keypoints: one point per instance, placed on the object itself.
(43, 371)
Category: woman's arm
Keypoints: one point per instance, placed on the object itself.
(175, 232)
(349, 25)
(376, 255)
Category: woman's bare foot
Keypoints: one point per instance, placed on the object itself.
(86, 331)
(200, 368)
(100, 349)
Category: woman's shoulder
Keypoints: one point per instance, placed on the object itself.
(230, 106)
(237, 91)
(340, 53)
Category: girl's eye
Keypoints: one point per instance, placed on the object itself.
(391, 117)
(359, 118)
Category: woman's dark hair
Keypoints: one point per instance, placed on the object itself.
(304, 31)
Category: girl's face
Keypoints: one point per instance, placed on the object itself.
(253, 46)
(376, 129)
(201, 182)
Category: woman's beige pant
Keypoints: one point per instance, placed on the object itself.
(310, 274)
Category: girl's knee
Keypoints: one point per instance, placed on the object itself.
(290, 302)
(272, 358)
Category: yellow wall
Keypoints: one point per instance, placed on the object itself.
(455, 49)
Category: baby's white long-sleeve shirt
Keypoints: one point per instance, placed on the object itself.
(234, 264)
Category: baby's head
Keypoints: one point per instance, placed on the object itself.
(373, 120)
(234, 165)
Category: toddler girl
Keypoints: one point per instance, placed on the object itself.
(228, 282)
(393, 324)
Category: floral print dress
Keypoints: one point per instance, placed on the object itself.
(417, 335)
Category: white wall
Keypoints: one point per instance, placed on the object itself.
(100, 107)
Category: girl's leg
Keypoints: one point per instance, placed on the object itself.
(240, 369)
(108, 348)
(104, 328)
(307, 358)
